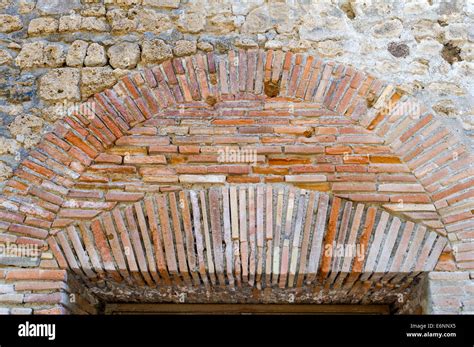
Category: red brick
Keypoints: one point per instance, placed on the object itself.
(47, 196)
(189, 149)
(356, 186)
(110, 168)
(243, 179)
(270, 170)
(29, 231)
(304, 149)
(108, 158)
(287, 161)
(142, 140)
(338, 150)
(123, 196)
(11, 216)
(78, 213)
(45, 298)
(36, 274)
(150, 159)
(312, 168)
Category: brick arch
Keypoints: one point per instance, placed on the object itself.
(416, 150)
(257, 236)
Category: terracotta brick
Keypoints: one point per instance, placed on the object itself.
(45, 298)
(304, 149)
(229, 169)
(270, 170)
(29, 231)
(338, 150)
(142, 140)
(384, 159)
(47, 196)
(358, 186)
(123, 196)
(352, 168)
(288, 161)
(302, 131)
(354, 159)
(243, 179)
(234, 122)
(305, 178)
(108, 158)
(392, 187)
(78, 213)
(11, 216)
(111, 168)
(162, 149)
(150, 159)
(388, 168)
(202, 178)
(189, 149)
(36, 274)
(38, 168)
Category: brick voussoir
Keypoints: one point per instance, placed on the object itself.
(236, 95)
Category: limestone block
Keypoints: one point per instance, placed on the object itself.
(124, 55)
(59, 84)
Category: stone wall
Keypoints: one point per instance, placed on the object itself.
(83, 47)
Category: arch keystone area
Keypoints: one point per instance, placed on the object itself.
(115, 194)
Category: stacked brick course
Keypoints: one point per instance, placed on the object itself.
(314, 124)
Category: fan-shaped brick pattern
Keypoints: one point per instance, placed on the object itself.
(315, 125)
(259, 236)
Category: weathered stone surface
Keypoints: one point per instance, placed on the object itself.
(8, 146)
(399, 50)
(57, 6)
(10, 23)
(26, 6)
(426, 29)
(40, 54)
(221, 23)
(391, 28)
(70, 23)
(124, 55)
(42, 26)
(323, 23)
(5, 57)
(205, 46)
(152, 21)
(184, 47)
(59, 84)
(278, 16)
(162, 3)
(5, 3)
(95, 55)
(330, 48)
(242, 8)
(192, 22)
(96, 79)
(121, 21)
(155, 51)
(76, 53)
(5, 171)
(27, 129)
(246, 42)
(94, 24)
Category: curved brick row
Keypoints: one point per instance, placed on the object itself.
(442, 165)
(262, 236)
